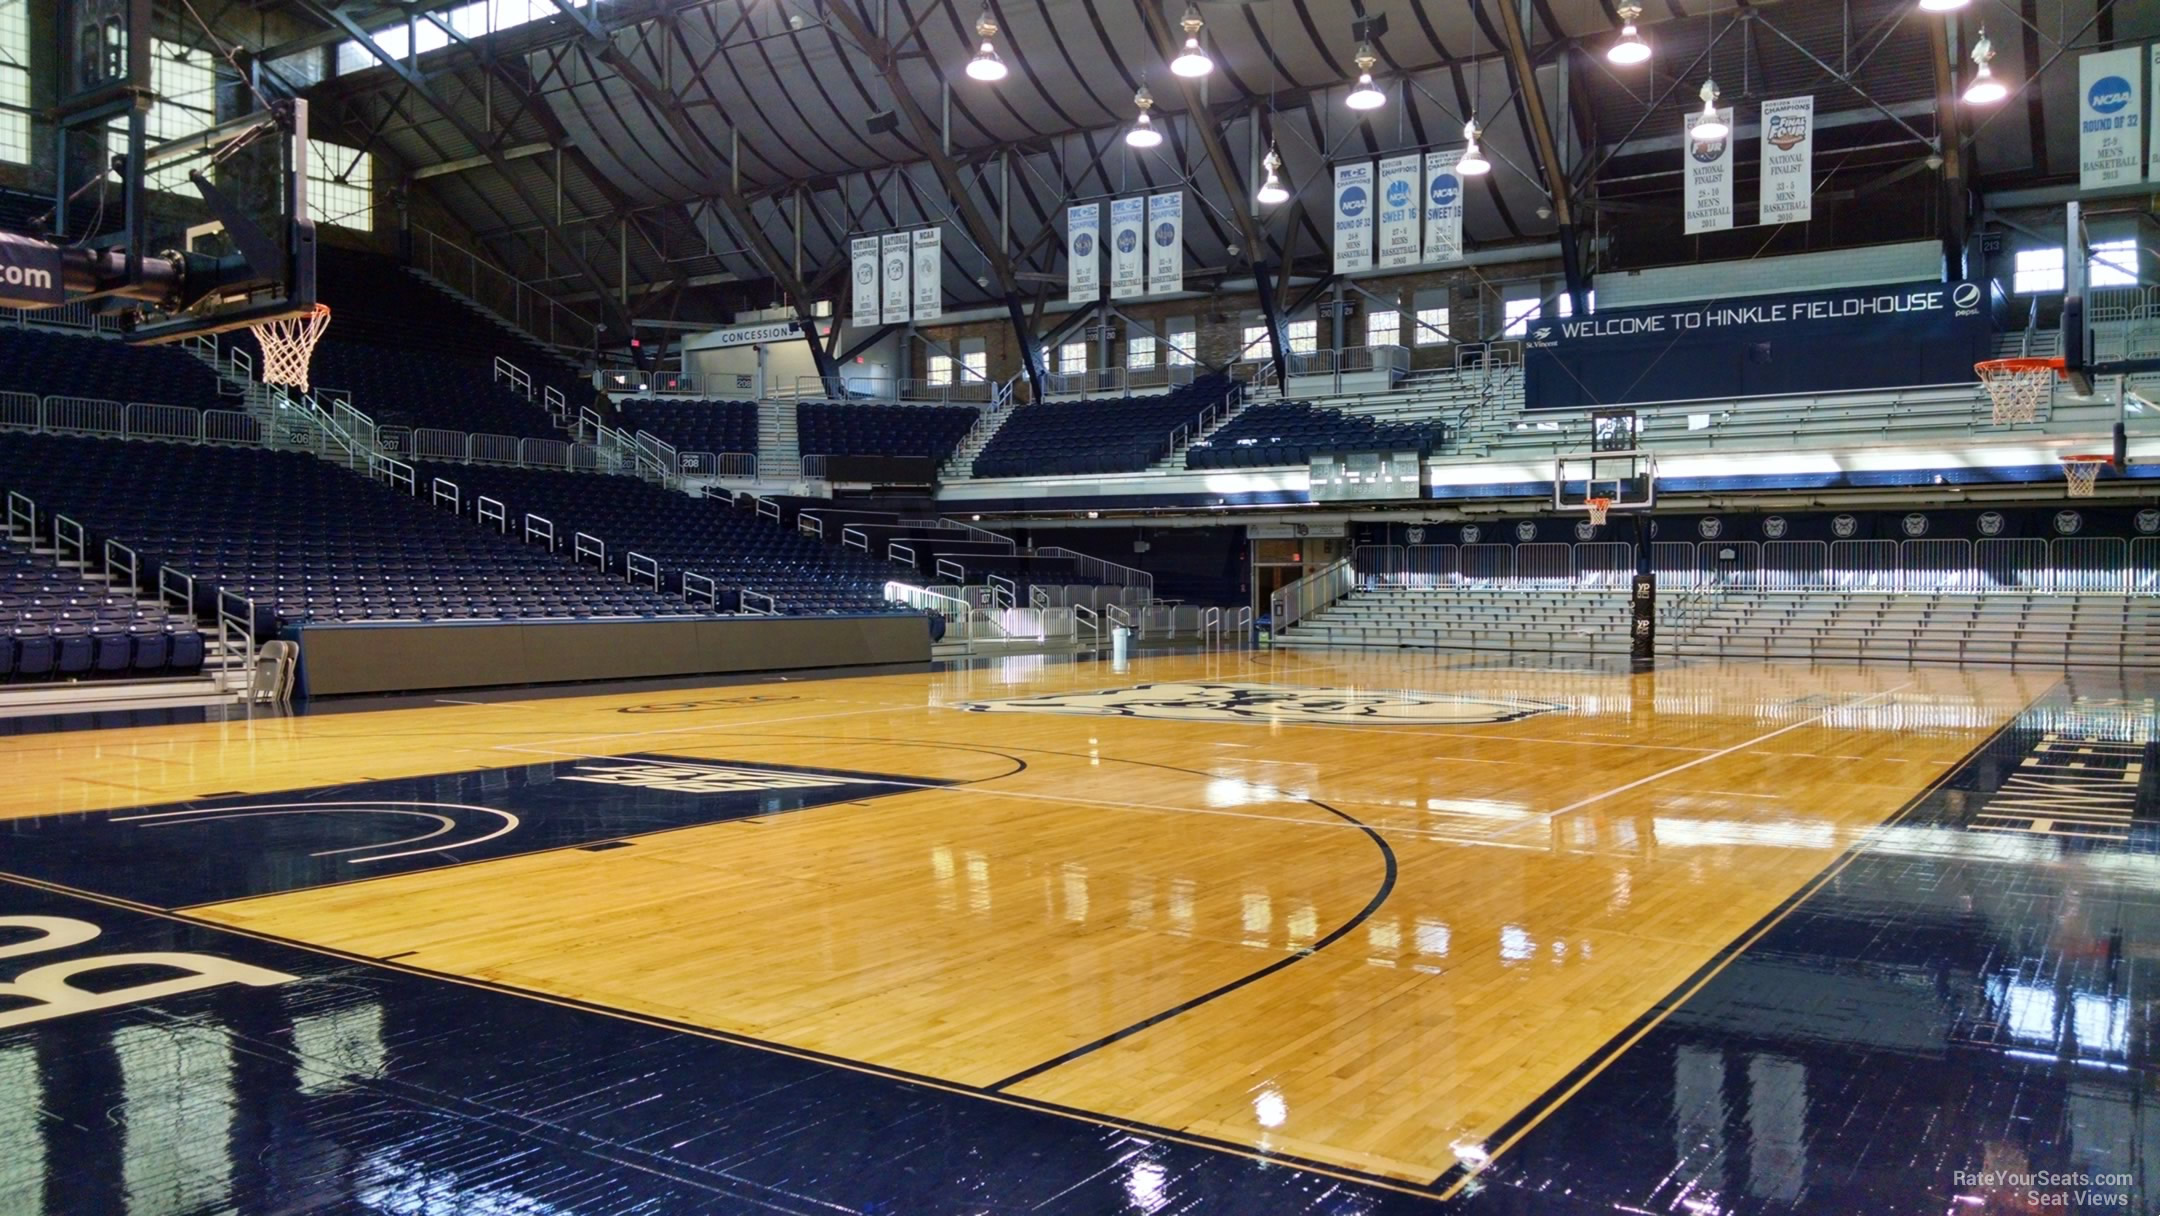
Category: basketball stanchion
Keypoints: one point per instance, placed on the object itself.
(288, 345)
(2018, 387)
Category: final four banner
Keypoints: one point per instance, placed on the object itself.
(1788, 161)
(1166, 243)
(1443, 206)
(2111, 109)
(893, 255)
(864, 250)
(1709, 177)
(1128, 260)
(929, 249)
(1353, 217)
(1400, 190)
(1083, 252)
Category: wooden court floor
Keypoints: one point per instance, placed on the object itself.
(1370, 912)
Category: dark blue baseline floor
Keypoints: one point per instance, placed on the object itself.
(217, 848)
(1960, 1021)
(352, 1087)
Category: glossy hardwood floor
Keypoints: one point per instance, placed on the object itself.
(1378, 931)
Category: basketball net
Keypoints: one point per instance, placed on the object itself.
(288, 343)
(2017, 387)
(2083, 473)
(1597, 508)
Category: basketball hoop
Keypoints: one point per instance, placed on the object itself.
(288, 343)
(1597, 508)
(2018, 387)
(2083, 473)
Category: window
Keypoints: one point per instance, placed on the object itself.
(1184, 343)
(941, 368)
(1256, 343)
(341, 186)
(1383, 328)
(2036, 271)
(974, 365)
(15, 80)
(1304, 336)
(1140, 354)
(1518, 314)
(1432, 326)
(2113, 264)
(186, 88)
(1072, 357)
(475, 20)
(1567, 304)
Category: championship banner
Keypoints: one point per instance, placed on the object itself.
(2111, 110)
(929, 250)
(1443, 207)
(1083, 253)
(1788, 161)
(1166, 243)
(1128, 264)
(893, 255)
(864, 249)
(1353, 217)
(1397, 243)
(1709, 177)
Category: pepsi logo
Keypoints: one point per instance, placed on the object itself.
(2108, 94)
(1445, 190)
(1398, 193)
(1965, 295)
(1352, 202)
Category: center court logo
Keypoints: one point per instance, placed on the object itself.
(702, 778)
(1272, 703)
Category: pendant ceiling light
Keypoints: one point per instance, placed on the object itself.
(1473, 162)
(1272, 190)
(1630, 49)
(1942, 6)
(1986, 88)
(1192, 61)
(986, 65)
(1367, 95)
(1708, 124)
(1142, 133)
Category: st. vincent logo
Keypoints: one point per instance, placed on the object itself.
(1083, 245)
(1273, 704)
(1787, 131)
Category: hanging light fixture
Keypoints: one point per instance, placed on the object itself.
(1272, 190)
(1192, 61)
(1473, 162)
(1708, 124)
(1630, 49)
(1367, 95)
(1986, 88)
(986, 65)
(1942, 6)
(1143, 134)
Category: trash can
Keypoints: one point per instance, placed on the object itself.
(1120, 643)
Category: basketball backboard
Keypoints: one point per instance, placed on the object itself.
(1626, 480)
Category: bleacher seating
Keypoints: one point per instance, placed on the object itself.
(45, 363)
(304, 540)
(693, 426)
(442, 391)
(1291, 432)
(1117, 436)
(708, 536)
(375, 302)
(56, 622)
(883, 430)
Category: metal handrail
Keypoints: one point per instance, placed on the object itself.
(119, 559)
(637, 567)
(542, 527)
(1004, 592)
(899, 552)
(441, 488)
(947, 568)
(491, 511)
(695, 584)
(584, 545)
(1308, 595)
(771, 606)
(66, 532)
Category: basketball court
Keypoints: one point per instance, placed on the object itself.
(1385, 924)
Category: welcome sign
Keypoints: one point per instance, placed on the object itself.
(1878, 337)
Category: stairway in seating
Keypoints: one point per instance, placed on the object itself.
(538, 352)
(961, 464)
(779, 450)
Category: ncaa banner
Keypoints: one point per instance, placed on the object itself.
(2111, 110)
(1166, 243)
(1353, 217)
(1443, 207)
(1397, 241)
(1128, 265)
(865, 251)
(893, 257)
(929, 248)
(1788, 161)
(1709, 177)
(1083, 252)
